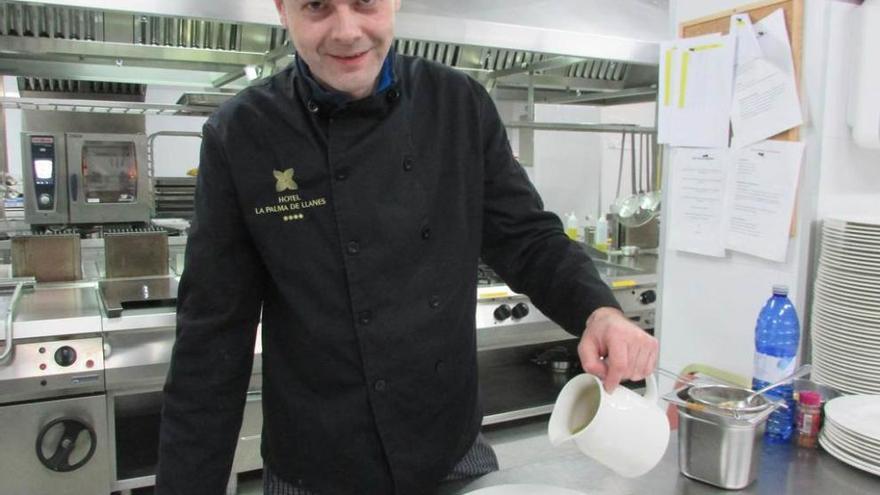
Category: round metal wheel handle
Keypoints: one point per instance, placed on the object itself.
(60, 460)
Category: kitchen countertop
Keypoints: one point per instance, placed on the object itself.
(785, 469)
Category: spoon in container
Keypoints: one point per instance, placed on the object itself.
(803, 370)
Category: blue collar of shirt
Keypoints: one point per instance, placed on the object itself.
(336, 98)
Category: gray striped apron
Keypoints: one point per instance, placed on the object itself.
(479, 460)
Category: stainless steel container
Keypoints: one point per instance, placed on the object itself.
(722, 454)
(718, 445)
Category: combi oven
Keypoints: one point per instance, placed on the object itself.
(78, 178)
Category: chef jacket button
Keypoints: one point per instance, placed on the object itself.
(313, 107)
(365, 317)
(407, 164)
(426, 233)
(380, 386)
(341, 176)
(434, 302)
(393, 95)
(353, 248)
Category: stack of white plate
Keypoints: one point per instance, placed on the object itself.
(852, 431)
(845, 320)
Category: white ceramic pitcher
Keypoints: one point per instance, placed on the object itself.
(624, 431)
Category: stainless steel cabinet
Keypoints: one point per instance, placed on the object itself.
(56, 447)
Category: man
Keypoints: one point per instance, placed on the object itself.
(350, 198)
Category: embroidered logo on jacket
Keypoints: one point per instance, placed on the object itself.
(284, 181)
(289, 207)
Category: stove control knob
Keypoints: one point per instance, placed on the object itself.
(502, 312)
(65, 356)
(520, 311)
(648, 297)
(45, 199)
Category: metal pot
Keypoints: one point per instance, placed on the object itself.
(558, 360)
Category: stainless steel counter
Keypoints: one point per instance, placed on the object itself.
(784, 470)
(58, 310)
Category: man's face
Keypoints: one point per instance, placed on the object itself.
(344, 42)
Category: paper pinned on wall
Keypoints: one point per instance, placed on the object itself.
(774, 42)
(697, 198)
(762, 191)
(695, 89)
(747, 47)
(765, 101)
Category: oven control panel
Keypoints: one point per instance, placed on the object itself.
(41, 368)
(499, 306)
(44, 171)
(638, 302)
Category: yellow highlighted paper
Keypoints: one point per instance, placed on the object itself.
(667, 77)
(695, 91)
(685, 61)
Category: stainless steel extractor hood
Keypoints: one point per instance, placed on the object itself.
(567, 51)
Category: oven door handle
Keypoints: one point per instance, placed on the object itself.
(74, 187)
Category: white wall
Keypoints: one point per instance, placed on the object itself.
(641, 114)
(173, 155)
(13, 130)
(707, 306)
(850, 182)
(567, 164)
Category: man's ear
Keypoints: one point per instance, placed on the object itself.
(396, 5)
(282, 11)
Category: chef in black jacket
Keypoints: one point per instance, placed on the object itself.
(344, 203)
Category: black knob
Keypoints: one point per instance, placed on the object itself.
(648, 297)
(65, 356)
(521, 310)
(502, 312)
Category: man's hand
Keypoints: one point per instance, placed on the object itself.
(628, 351)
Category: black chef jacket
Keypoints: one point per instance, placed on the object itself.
(357, 230)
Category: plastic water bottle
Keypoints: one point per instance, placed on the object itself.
(777, 335)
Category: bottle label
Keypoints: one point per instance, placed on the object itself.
(772, 368)
(807, 425)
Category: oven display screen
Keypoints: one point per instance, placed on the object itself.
(43, 169)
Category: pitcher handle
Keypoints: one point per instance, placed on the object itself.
(652, 394)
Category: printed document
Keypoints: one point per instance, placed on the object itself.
(698, 189)
(765, 101)
(747, 47)
(695, 91)
(762, 191)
